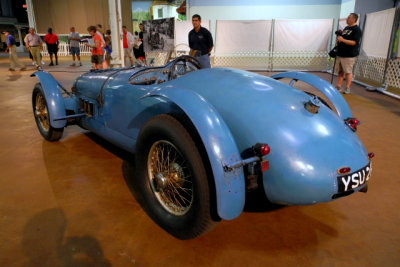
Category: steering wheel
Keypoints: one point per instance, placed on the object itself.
(182, 65)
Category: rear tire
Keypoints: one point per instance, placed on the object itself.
(42, 118)
(171, 179)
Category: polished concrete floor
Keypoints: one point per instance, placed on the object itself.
(67, 204)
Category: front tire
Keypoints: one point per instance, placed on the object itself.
(42, 118)
(172, 179)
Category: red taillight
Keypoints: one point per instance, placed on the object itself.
(261, 149)
(352, 123)
(265, 150)
(371, 155)
(344, 170)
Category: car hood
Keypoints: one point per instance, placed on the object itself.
(89, 84)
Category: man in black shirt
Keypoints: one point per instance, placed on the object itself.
(200, 42)
(348, 49)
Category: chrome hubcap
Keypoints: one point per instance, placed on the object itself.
(170, 178)
(41, 113)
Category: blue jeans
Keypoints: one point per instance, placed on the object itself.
(204, 61)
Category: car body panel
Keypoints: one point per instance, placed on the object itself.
(219, 144)
(261, 109)
(324, 87)
(232, 110)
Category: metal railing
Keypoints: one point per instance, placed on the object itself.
(63, 49)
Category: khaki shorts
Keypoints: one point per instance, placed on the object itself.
(345, 64)
(97, 59)
(128, 52)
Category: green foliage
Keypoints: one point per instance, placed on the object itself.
(140, 16)
(181, 17)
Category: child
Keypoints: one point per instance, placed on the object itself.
(97, 51)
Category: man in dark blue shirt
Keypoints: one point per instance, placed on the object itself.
(200, 42)
(12, 49)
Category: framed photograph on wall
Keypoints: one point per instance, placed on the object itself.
(158, 35)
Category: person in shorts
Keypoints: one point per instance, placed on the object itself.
(51, 40)
(74, 40)
(96, 49)
(348, 49)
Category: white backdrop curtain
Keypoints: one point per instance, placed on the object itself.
(376, 36)
(302, 35)
(242, 36)
(182, 29)
(342, 24)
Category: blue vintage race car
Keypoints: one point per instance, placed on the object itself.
(203, 138)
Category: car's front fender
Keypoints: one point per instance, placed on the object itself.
(219, 144)
(54, 99)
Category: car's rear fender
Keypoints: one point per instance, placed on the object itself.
(220, 146)
(324, 87)
(55, 102)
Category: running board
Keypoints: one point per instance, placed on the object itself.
(70, 117)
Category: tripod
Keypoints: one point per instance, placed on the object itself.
(334, 50)
(333, 69)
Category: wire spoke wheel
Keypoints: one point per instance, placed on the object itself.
(170, 178)
(41, 112)
(42, 115)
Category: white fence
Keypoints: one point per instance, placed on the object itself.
(379, 60)
(63, 49)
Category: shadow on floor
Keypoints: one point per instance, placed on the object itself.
(256, 201)
(44, 243)
(14, 77)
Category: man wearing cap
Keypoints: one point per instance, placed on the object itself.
(12, 49)
(34, 44)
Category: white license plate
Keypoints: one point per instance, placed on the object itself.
(353, 180)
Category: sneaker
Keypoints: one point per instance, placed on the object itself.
(39, 68)
(33, 63)
(347, 91)
(10, 69)
(73, 64)
(43, 63)
(51, 64)
(80, 63)
(339, 89)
